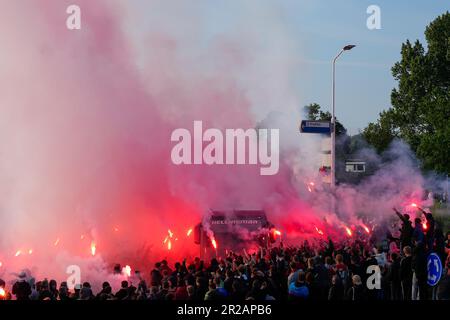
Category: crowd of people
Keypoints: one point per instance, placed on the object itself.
(357, 270)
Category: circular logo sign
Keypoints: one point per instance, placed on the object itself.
(434, 267)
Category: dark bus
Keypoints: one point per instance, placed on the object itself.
(235, 230)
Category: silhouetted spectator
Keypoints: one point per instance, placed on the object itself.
(21, 289)
(406, 273)
(123, 292)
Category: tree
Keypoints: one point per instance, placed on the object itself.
(420, 112)
(380, 134)
(343, 141)
(314, 112)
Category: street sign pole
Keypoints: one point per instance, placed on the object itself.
(333, 123)
(333, 116)
(315, 126)
(434, 269)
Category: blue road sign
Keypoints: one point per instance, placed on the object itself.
(310, 126)
(434, 267)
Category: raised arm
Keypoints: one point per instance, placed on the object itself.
(399, 214)
(423, 211)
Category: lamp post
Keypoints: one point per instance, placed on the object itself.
(333, 117)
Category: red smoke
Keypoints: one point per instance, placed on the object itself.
(86, 117)
(88, 149)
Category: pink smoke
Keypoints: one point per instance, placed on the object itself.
(85, 125)
(87, 137)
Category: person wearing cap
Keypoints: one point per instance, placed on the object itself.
(21, 288)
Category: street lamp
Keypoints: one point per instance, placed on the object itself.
(333, 117)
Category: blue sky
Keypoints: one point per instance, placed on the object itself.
(320, 28)
(364, 80)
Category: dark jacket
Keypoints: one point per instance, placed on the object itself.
(298, 291)
(46, 294)
(394, 271)
(336, 293)
(406, 233)
(443, 291)
(122, 293)
(418, 234)
(406, 269)
(419, 262)
(356, 293)
(406, 230)
(22, 290)
(156, 277)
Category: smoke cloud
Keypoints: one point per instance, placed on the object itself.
(86, 119)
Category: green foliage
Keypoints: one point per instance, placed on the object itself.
(381, 133)
(420, 112)
(315, 113)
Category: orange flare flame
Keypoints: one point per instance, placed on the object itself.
(127, 270)
(319, 231)
(366, 228)
(349, 232)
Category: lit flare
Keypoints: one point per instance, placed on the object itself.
(127, 270)
(93, 248)
(349, 231)
(319, 231)
(214, 243)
